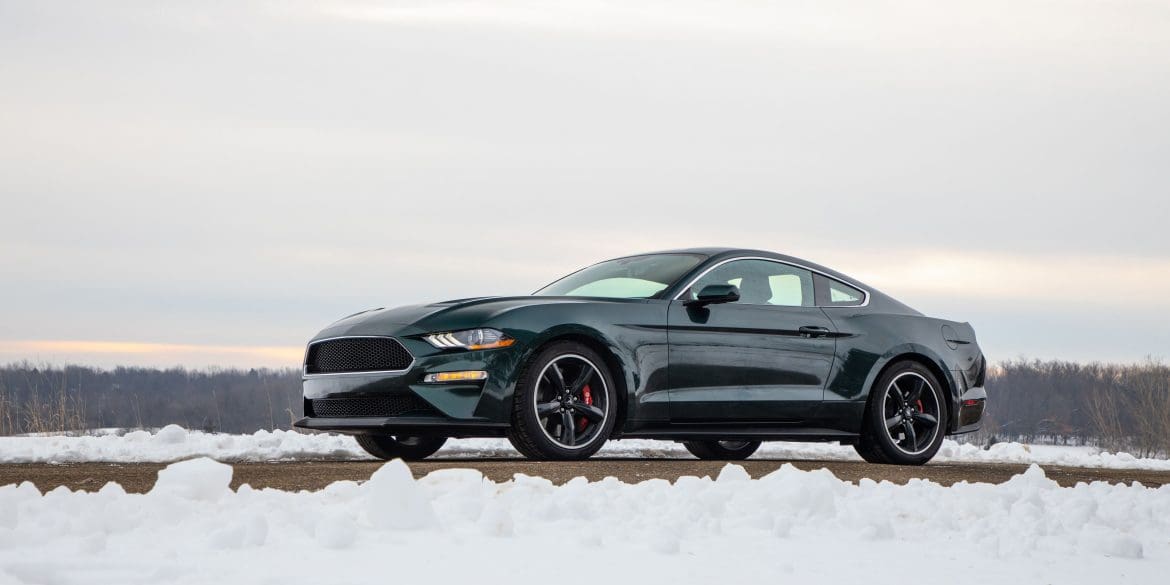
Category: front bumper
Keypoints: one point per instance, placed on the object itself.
(414, 426)
(471, 408)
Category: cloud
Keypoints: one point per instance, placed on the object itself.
(1064, 280)
(239, 174)
(887, 24)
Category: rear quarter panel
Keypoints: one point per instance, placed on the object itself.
(871, 341)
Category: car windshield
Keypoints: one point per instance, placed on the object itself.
(635, 277)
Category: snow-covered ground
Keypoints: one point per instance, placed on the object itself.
(455, 526)
(173, 443)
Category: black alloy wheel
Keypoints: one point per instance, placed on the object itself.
(386, 447)
(563, 407)
(906, 417)
(722, 450)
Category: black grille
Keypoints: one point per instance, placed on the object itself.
(356, 354)
(395, 405)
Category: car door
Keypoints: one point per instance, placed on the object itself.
(763, 358)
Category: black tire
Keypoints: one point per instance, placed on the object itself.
(386, 447)
(885, 437)
(530, 433)
(722, 450)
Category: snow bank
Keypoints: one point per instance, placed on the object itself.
(456, 526)
(173, 443)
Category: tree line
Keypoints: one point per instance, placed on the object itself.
(1118, 406)
(1121, 407)
(37, 398)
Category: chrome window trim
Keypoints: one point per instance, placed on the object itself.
(305, 362)
(864, 303)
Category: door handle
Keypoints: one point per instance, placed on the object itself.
(813, 331)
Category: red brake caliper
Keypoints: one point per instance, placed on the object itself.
(587, 398)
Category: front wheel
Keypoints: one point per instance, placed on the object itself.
(401, 447)
(905, 419)
(722, 450)
(564, 405)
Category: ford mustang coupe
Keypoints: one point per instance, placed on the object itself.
(717, 348)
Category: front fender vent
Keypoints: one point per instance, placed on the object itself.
(344, 355)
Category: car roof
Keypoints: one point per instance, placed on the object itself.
(727, 252)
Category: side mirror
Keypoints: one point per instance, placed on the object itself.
(713, 294)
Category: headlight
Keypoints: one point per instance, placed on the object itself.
(470, 339)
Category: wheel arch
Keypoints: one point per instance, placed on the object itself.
(597, 342)
(927, 359)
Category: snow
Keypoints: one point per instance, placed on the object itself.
(456, 526)
(173, 443)
(199, 479)
(396, 502)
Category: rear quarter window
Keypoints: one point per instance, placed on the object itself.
(834, 293)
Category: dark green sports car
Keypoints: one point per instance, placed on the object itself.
(717, 348)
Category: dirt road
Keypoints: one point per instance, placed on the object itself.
(312, 475)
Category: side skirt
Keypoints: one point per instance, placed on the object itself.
(707, 432)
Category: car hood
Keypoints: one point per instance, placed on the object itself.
(443, 316)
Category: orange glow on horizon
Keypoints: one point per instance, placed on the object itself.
(154, 352)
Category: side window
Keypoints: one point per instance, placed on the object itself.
(761, 282)
(834, 293)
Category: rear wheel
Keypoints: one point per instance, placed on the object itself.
(564, 404)
(722, 450)
(905, 419)
(401, 447)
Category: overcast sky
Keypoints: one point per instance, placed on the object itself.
(209, 183)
